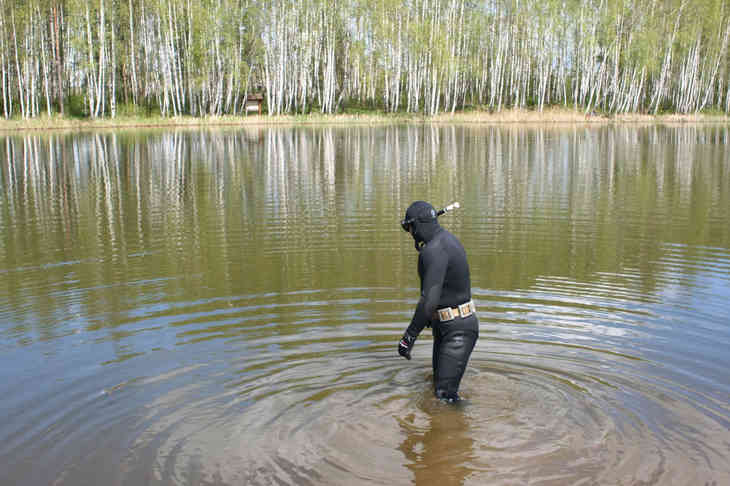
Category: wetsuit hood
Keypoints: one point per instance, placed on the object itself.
(423, 220)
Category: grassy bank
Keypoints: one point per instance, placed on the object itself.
(552, 115)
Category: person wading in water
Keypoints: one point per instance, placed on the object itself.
(445, 304)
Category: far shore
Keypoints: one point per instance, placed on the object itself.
(547, 116)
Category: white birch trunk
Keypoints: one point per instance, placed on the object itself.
(5, 69)
(18, 71)
(99, 109)
(91, 85)
(113, 94)
(132, 55)
(44, 65)
(659, 92)
(716, 68)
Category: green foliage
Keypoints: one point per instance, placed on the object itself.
(75, 106)
(355, 107)
(201, 56)
(130, 110)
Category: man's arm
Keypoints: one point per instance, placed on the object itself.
(435, 262)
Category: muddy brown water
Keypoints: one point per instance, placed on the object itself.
(222, 306)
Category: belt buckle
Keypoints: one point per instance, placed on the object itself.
(446, 314)
(466, 309)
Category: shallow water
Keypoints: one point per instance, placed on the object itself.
(223, 306)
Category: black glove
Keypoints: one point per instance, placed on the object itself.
(405, 345)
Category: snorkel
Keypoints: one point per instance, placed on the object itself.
(450, 207)
(406, 223)
(421, 221)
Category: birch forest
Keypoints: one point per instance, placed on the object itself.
(106, 58)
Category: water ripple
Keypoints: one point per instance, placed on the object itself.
(205, 307)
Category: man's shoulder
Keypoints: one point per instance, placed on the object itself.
(437, 245)
(447, 237)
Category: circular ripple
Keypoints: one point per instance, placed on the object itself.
(310, 391)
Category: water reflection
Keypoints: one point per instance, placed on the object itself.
(272, 208)
(438, 445)
(202, 306)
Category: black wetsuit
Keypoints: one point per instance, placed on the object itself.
(445, 282)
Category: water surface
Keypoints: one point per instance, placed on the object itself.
(222, 306)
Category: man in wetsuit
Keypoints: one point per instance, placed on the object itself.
(445, 302)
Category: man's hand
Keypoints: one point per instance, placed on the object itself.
(405, 345)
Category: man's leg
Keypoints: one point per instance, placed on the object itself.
(451, 357)
(435, 353)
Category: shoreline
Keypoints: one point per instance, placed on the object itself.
(511, 116)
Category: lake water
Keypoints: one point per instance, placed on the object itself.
(222, 306)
